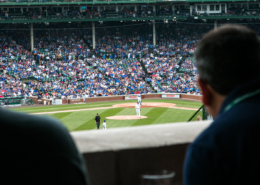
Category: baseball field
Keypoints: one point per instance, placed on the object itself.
(118, 113)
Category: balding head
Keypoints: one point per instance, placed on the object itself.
(228, 57)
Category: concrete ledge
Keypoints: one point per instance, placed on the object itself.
(120, 156)
(138, 137)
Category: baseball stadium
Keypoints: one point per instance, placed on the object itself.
(122, 78)
(118, 113)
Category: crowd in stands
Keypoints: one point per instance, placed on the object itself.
(124, 61)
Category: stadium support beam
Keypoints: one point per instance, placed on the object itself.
(154, 34)
(32, 41)
(93, 35)
(215, 24)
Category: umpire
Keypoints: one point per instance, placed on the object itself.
(97, 120)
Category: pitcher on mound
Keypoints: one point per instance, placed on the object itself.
(138, 109)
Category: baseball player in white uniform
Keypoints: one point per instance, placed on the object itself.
(139, 97)
(84, 96)
(104, 125)
(138, 109)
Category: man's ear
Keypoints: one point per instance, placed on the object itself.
(206, 92)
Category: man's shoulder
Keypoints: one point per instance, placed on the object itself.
(224, 130)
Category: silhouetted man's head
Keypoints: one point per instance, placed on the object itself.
(227, 57)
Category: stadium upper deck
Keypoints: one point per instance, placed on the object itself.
(11, 2)
(19, 11)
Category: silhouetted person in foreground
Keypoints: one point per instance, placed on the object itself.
(228, 62)
(38, 150)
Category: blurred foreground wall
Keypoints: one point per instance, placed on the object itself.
(120, 156)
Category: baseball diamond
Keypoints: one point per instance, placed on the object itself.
(81, 116)
(120, 91)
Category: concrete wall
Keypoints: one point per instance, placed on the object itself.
(120, 156)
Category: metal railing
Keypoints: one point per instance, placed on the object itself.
(197, 115)
(78, 1)
(200, 114)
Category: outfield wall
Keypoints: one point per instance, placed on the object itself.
(191, 97)
(96, 99)
(124, 97)
(120, 156)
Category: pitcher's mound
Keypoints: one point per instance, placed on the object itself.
(122, 117)
(145, 105)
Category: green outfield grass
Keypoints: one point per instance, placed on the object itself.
(84, 120)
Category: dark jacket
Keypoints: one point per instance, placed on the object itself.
(97, 118)
(38, 150)
(227, 151)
